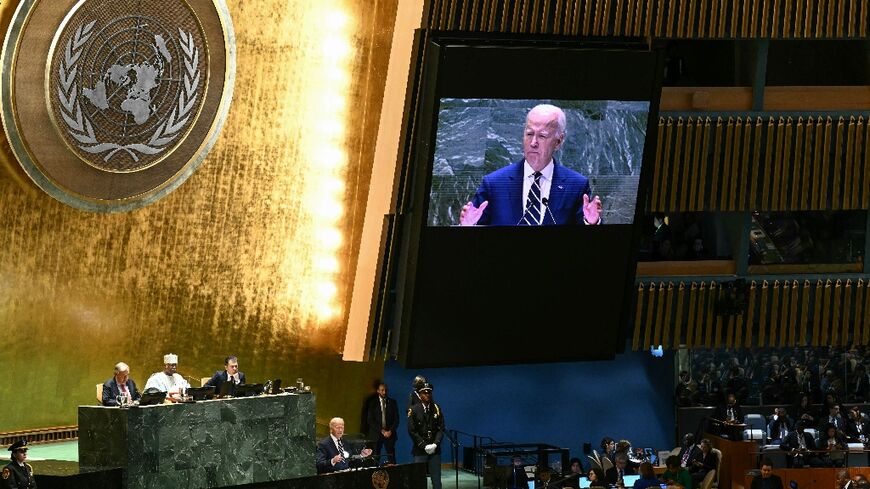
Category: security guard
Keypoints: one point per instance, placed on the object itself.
(426, 427)
(18, 474)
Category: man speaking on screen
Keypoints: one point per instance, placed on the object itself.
(536, 191)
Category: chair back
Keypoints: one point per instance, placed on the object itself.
(707, 483)
(754, 421)
(100, 394)
(718, 454)
(203, 380)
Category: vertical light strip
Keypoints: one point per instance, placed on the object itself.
(324, 154)
(380, 198)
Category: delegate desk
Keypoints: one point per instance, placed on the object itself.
(214, 443)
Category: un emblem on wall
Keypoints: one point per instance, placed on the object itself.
(135, 93)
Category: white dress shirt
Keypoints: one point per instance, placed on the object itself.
(545, 183)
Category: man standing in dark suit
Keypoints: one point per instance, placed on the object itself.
(535, 191)
(230, 374)
(332, 454)
(120, 386)
(767, 479)
(383, 419)
(426, 427)
(18, 474)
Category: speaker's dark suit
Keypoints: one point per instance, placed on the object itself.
(391, 415)
(111, 391)
(218, 380)
(503, 189)
(326, 449)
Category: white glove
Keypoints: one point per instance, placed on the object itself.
(430, 448)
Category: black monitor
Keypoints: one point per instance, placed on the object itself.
(152, 398)
(246, 390)
(201, 393)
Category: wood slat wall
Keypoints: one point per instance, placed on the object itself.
(707, 19)
(775, 163)
(777, 313)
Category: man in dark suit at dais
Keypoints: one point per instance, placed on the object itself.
(230, 374)
(537, 190)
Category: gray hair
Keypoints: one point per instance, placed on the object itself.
(546, 109)
(121, 367)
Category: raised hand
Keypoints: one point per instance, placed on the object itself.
(592, 209)
(470, 214)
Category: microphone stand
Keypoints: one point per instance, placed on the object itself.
(546, 203)
(454, 443)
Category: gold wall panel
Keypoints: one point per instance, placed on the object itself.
(221, 266)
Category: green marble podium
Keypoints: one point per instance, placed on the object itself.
(204, 444)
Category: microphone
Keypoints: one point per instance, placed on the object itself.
(546, 203)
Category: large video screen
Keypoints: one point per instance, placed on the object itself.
(506, 136)
(487, 151)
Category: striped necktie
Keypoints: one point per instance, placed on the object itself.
(532, 216)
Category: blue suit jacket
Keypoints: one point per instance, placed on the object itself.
(503, 189)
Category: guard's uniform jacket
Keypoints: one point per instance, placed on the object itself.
(426, 426)
(15, 476)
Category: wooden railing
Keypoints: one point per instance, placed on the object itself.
(41, 435)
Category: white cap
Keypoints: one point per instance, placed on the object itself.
(170, 358)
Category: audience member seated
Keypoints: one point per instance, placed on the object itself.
(575, 472)
(834, 444)
(596, 477)
(800, 446)
(676, 477)
(647, 477)
(858, 385)
(687, 390)
(767, 479)
(705, 463)
(619, 470)
(832, 418)
(709, 388)
(804, 411)
(856, 426)
(737, 384)
(729, 412)
(689, 452)
(779, 426)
